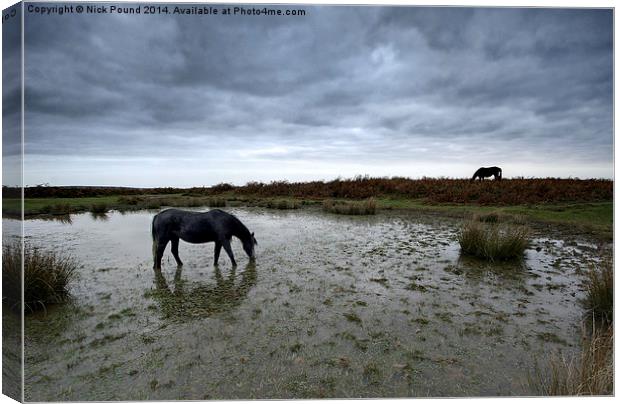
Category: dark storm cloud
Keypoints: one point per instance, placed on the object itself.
(11, 97)
(343, 85)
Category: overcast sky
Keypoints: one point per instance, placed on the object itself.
(145, 100)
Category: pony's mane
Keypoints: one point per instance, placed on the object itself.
(241, 231)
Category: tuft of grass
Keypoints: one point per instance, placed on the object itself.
(58, 209)
(492, 217)
(130, 200)
(352, 317)
(46, 276)
(493, 241)
(365, 207)
(372, 373)
(599, 299)
(499, 217)
(216, 202)
(591, 372)
(152, 204)
(99, 208)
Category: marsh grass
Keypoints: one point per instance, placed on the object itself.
(47, 276)
(488, 217)
(151, 204)
(599, 299)
(283, 204)
(590, 372)
(493, 241)
(57, 209)
(216, 202)
(99, 208)
(130, 200)
(499, 217)
(365, 207)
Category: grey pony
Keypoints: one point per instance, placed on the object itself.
(172, 225)
(484, 172)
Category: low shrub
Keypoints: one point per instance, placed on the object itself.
(493, 241)
(47, 276)
(365, 207)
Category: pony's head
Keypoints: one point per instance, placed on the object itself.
(248, 246)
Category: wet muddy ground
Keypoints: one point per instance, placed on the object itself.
(335, 306)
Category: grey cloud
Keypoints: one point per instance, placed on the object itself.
(342, 84)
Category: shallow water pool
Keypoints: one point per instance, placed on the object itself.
(335, 306)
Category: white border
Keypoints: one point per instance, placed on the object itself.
(480, 3)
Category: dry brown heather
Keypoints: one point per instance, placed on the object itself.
(434, 190)
(505, 192)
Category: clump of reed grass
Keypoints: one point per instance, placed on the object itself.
(493, 241)
(216, 202)
(590, 372)
(99, 208)
(488, 217)
(130, 200)
(283, 204)
(599, 299)
(365, 207)
(191, 202)
(57, 209)
(152, 204)
(46, 276)
(498, 217)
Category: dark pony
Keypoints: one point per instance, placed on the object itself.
(196, 227)
(484, 172)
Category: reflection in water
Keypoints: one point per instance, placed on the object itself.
(64, 219)
(100, 216)
(476, 268)
(201, 300)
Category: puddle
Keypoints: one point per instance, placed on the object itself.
(335, 306)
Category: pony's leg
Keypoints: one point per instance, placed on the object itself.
(161, 246)
(226, 245)
(218, 248)
(175, 251)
